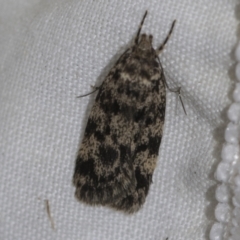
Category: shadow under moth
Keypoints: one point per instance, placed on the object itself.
(119, 150)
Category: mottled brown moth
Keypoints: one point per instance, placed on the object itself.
(119, 150)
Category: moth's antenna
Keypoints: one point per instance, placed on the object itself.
(166, 39)
(140, 27)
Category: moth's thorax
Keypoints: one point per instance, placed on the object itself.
(142, 65)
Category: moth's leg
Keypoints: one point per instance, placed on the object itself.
(166, 39)
(140, 27)
(176, 90)
(95, 89)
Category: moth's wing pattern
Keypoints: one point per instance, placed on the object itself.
(120, 146)
(119, 150)
(148, 120)
(104, 167)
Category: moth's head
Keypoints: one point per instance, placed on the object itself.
(145, 43)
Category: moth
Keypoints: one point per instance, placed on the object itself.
(119, 150)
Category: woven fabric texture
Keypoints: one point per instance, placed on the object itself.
(53, 51)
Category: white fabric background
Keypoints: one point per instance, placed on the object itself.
(51, 52)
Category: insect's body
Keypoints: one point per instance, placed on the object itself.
(120, 146)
